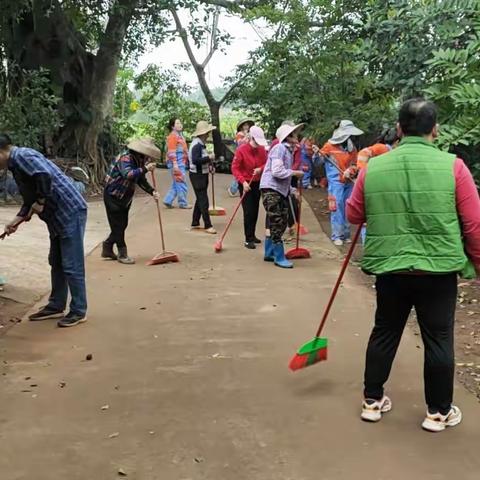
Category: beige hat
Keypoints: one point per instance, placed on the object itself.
(345, 130)
(285, 130)
(241, 123)
(203, 128)
(146, 147)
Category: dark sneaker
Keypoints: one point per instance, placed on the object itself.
(257, 241)
(46, 313)
(250, 245)
(71, 320)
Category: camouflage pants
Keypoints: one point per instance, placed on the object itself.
(276, 206)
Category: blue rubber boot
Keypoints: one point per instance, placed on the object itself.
(279, 254)
(268, 250)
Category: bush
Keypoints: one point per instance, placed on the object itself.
(31, 113)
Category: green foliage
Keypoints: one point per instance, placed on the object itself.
(30, 113)
(156, 96)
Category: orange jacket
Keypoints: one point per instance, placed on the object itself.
(344, 159)
(367, 153)
(177, 148)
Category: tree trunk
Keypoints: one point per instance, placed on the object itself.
(103, 81)
(216, 134)
(84, 82)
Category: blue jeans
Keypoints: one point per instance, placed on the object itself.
(234, 187)
(338, 194)
(67, 260)
(307, 177)
(178, 189)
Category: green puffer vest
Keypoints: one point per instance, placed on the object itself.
(411, 212)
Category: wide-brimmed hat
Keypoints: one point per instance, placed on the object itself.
(241, 123)
(286, 130)
(203, 128)
(258, 135)
(345, 130)
(146, 147)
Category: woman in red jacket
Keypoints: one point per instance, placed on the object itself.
(247, 167)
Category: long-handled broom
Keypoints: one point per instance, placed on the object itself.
(164, 257)
(316, 349)
(214, 210)
(298, 252)
(219, 244)
(303, 229)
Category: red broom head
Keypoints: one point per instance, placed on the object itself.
(217, 212)
(311, 353)
(306, 360)
(296, 253)
(218, 246)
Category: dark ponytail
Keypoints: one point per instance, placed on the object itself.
(5, 141)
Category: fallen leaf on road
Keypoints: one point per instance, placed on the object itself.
(460, 364)
(152, 432)
(143, 308)
(62, 384)
(114, 435)
(88, 357)
(122, 472)
(198, 459)
(105, 407)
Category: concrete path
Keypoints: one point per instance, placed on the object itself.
(190, 367)
(23, 257)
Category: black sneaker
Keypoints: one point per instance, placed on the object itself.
(71, 320)
(250, 245)
(46, 313)
(257, 241)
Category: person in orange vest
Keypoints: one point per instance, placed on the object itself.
(177, 161)
(387, 141)
(340, 155)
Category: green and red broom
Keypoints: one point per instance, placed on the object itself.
(316, 350)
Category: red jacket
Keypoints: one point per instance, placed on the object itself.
(246, 160)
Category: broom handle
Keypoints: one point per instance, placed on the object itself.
(224, 234)
(331, 161)
(5, 235)
(339, 280)
(213, 188)
(154, 181)
(299, 210)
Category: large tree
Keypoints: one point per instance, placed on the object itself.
(82, 44)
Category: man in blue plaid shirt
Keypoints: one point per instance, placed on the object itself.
(50, 194)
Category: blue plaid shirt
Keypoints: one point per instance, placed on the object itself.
(62, 203)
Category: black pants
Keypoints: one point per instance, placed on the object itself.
(250, 205)
(434, 298)
(200, 187)
(117, 214)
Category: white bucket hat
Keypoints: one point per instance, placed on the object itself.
(203, 128)
(345, 130)
(285, 130)
(146, 147)
(258, 135)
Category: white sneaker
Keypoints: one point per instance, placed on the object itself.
(372, 410)
(338, 242)
(436, 422)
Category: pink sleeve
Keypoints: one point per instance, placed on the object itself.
(468, 207)
(356, 202)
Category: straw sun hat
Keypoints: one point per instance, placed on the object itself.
(145, 146)
(285, 130)
(203, 128)
(241, 123)
(345, 130)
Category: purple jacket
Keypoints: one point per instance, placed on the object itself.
(277, 173)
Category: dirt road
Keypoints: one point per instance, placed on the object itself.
(189, 378)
